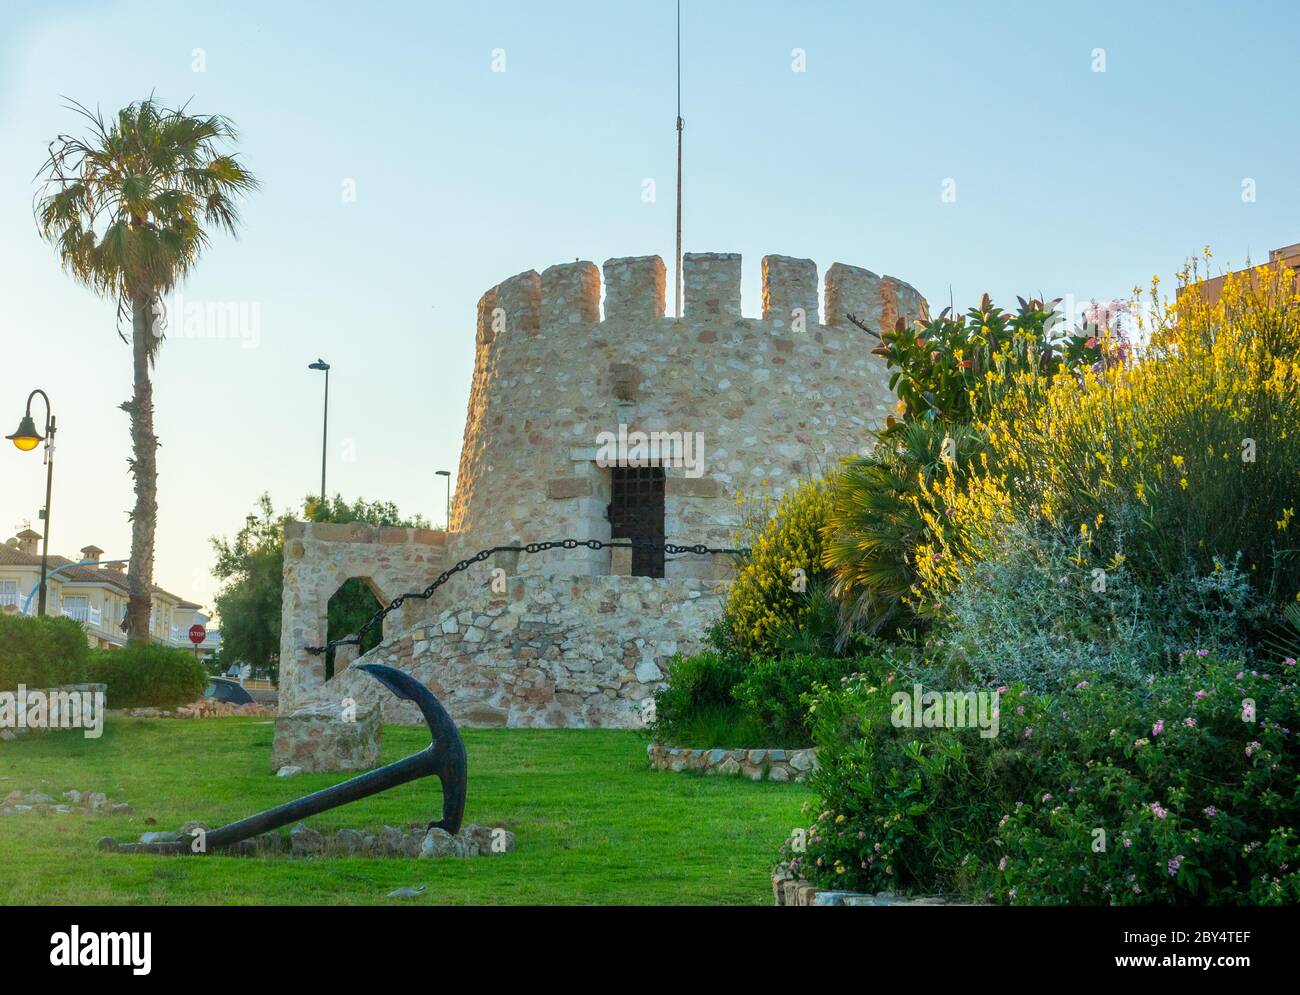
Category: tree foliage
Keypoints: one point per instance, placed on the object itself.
(251, 567)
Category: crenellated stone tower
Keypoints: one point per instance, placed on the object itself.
(727, 404)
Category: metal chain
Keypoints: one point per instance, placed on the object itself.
(668, 548)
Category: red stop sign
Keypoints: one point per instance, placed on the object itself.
(198, 634)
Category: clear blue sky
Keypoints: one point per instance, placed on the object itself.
(1068, 181)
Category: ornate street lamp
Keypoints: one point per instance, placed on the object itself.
(26, 438)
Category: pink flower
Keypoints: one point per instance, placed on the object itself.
(1020, 709)
(1289, 662)
(1189, 722)
(1252, 747)
(1211, 811)
(1081, 685)
(1157, 811)
(1158, 728)
(1047, 797)
(1174, 864)
(1200, 694)
(1002, 864)
(1202, 652)
(1029, 732)
(1002, 689)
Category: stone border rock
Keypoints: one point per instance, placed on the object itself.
(204, 708)
(757, 765)
(72, 803)
(790, 889)
(418, 841)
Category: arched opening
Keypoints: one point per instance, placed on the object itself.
(348, 609)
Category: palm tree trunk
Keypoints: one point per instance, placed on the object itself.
(144, 467)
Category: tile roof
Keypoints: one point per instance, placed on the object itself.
(14, 557)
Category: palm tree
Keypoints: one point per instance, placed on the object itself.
(126, 209)
(873, 527)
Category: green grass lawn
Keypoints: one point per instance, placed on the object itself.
(593, 824)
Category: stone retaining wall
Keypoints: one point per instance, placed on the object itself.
(757, 765)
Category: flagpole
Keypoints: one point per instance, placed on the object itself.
(677, 280)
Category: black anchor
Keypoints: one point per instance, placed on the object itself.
(445, 756)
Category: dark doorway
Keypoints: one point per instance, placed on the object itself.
(636, 512)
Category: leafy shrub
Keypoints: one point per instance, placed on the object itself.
(148, 675)
(41, 651)
(1038, 605)
(950, 369)
(715, 700)
(1190, 777)
(696, 703)
(1194, 784)
(766, 603)
(772, 690)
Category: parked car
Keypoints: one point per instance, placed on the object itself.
(224, 689)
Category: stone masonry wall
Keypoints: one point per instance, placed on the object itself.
(547, 652)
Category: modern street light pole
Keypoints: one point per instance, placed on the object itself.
(320, 364)
(26, 438)
(446, 474)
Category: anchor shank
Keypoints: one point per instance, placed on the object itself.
(372, 782)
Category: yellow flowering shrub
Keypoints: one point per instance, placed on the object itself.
(1195, 446)
(962, 513)
(768, 597)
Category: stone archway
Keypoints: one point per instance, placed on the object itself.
(319, 558)
(350, 606)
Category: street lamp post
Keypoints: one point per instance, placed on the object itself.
(26, 438)
(446, 474)
(320, 364)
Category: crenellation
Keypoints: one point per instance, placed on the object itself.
(520, 301)
(789, 284)
(901, 300)
(570, 294)
(711, 285)
(856, 291)
(634, 287)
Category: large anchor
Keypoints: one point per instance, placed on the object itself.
(444, 756)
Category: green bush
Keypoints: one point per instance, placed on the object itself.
(148, 675)
(41, 651)
(716, 700)
(771, 689)
(696, 708)
(951, 368)
(1181, 790)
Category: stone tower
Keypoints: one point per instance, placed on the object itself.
(725, 404)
